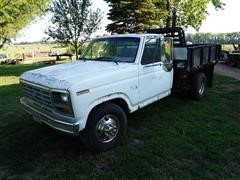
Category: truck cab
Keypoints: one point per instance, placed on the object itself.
(92, 96)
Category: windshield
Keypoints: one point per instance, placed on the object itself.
(120, 49)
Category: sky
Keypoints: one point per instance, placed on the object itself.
(226, 20)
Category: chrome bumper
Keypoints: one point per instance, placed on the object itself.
(53, 121)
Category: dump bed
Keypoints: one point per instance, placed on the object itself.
(192, 57)
(189, 57)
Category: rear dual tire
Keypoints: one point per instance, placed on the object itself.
(199, 86)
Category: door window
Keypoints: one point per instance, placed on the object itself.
(152, 51)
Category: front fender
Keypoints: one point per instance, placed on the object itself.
(104, 99)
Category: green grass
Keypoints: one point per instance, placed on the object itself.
(172, 138)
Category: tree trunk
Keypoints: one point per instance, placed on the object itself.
(169, 15)
(174, 18)
(76, 51)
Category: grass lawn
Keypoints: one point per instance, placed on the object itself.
(173, 138)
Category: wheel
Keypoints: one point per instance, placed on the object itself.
(199, 87)
(232, 61)
(105, 128)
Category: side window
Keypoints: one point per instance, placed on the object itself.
(152, 51)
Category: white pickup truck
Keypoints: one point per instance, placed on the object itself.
(116, 75)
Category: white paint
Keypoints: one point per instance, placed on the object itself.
(137, 84)
(64, 76)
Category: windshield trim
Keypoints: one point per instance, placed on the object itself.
(104, 38)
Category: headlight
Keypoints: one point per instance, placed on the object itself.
(62, 103)
(64, 97)
(60, 97)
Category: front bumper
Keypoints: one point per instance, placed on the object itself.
(53, 120)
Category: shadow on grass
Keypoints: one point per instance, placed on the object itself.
(173, 138)
(18, 69)
(10, 90)
(26, 146)
(24, 143)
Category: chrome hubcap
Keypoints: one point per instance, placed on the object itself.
(202, 88)
(107, 128)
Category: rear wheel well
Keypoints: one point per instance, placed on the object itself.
(208, 72)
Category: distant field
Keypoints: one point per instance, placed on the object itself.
(18, 49)
(32, 53)
(227, 47)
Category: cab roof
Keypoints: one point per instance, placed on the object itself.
(130, 35)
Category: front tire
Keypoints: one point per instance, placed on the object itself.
(199, 86)
(105, 128)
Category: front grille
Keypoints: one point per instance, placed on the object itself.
(38, 96)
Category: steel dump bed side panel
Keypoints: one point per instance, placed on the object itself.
(201, 54)
(191, 57)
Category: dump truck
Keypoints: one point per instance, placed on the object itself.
(117, 75)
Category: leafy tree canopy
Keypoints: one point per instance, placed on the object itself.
(188, 13)
(73, 22)
(16, 14)
(129, 15)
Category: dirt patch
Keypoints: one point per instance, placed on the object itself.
(137, 142)
(225, 70)
(104, 164)
(3, 172)
(232, 87)
(225, 103)
(230, 169)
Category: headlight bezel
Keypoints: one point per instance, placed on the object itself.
(61, 106)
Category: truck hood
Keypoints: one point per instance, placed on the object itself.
(65, 76)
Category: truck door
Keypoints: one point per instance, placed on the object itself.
(155, 70)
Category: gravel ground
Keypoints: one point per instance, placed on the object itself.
(226, 70)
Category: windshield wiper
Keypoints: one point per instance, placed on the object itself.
(106, 59)
(85, 59)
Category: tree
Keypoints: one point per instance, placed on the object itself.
(73, 22)
(129, 15)
(187, 13)
(133, 15)
(16, 14)
(147, 15)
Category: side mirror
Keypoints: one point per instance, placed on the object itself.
(166, 57)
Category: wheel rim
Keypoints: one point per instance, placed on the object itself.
(107, 128)
(202, 88)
